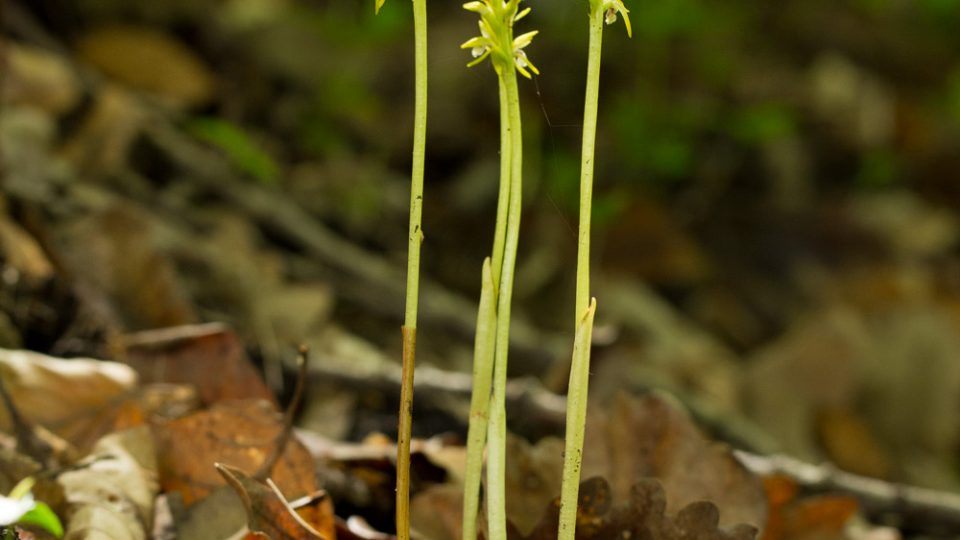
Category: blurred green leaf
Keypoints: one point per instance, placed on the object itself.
(757, 124)
(667, 18)
(239, 148)
(42, 516)
(878, 168)
(953, 95)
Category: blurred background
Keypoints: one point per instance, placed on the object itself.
(775, 213)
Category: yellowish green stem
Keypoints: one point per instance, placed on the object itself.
(415, 237)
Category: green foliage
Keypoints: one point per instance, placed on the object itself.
(669, 18)
(657, 144)
(42, 516)
(878, 169)
(761, 123)
(952, 94)
(238, 146)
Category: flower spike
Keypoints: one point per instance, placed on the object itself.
(496, 36)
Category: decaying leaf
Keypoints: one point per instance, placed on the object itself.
(38, 78)
(117, 258)
(269, 513)
(22, 254)
(602, 516)
(242, 433)
(65, 396)
(437, 512)
(534, 473)
(209, 357)
(648, 436)
(152, 402)
(149, 60)
(113, 495)
(821, 517)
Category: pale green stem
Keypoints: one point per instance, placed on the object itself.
(586, 161)
(483, 358)
(415, 237)
(497, 436)
(479, 401)
(585, 310)
(503, 198)
(576, 421)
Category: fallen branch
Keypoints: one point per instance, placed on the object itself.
(913, 508)
(361, 275)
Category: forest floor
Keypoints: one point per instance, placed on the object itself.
(187, 200)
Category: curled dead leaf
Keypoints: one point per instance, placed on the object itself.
(269, 513)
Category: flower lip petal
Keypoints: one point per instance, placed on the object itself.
(613, 7)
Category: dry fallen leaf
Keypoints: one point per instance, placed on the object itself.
(534, 475)
(64, 396)
(112, 497)
(22, 254)
(821, 517)
(118, 261)
(38, 78)
(270, 514)
(602, 516)
(242, 433)
(147, 59)
(210, 357)
(649, 436)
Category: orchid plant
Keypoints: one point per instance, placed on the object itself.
(601, 11)
(488, 403)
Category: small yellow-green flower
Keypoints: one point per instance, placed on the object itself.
(496, 35)
(378, 5)
(610, 10)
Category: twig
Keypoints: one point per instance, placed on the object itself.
(915, 508)
(263, 472)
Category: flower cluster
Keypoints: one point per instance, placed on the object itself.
(496, 35)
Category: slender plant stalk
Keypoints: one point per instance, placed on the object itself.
(503, 196)
(479, 400)
(576, 420)
(580, 363)
(415, 237)
(497, 435)
(601, 11)
(590, 106)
